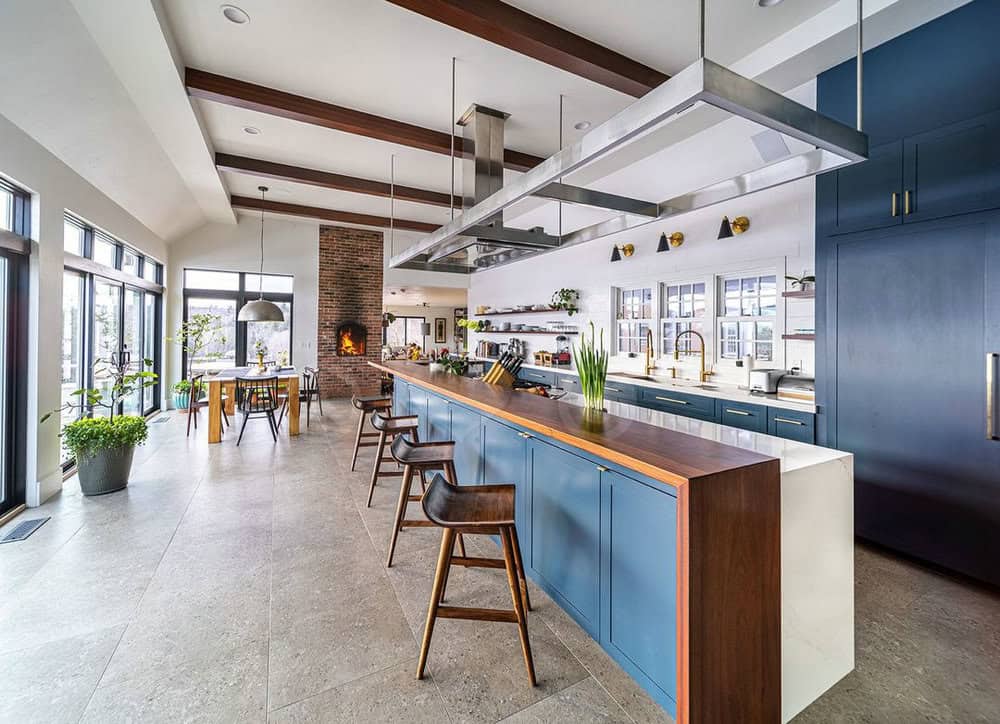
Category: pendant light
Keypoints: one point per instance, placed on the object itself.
(261, 310)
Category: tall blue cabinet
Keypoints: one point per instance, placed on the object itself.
(908, 281)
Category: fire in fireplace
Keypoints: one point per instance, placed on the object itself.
(351, 339)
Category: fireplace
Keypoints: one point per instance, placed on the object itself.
(351, 339)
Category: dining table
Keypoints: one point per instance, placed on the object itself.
(224, 382)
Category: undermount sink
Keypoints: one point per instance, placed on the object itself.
(631, 376)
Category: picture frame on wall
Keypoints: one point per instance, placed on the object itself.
(440, 330)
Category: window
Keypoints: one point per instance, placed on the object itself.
(13, 373)
(15, 207)
(223, 293)
(683, 309)
(105, 251)
(634, 317)
(405, 330)
(73, 370)
(6, 209)
(747, 323)
(151, 271)
(74, 237)
(130, 262)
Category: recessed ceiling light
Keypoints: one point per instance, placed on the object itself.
(582, 125)
(767, 3)
(252, 130)
(234, 14)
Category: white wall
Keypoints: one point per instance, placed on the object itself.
(56, 188)
(430, 314)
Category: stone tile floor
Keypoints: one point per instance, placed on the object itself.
(247, 584)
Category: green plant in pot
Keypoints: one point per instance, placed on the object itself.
(592, 366)
(182, 394)
(104, 446)
(566, 300)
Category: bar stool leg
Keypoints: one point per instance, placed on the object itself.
(357, 439)
(452, 477)
(515, 594)
(404, 499)
(376, 466)
(522, 579)
(444, 562)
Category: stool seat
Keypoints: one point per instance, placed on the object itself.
(394, 425)
(468, 506)
(368, 403)
(436, 454)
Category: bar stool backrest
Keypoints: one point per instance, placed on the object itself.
(194, 394)
(256, 394)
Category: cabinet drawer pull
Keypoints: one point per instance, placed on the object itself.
(525, 435)
(907, 209)
(535, 374)
(991, 392)
(671, 399)
(739, 412)
(602, 469)
(611, 389)
(895, 203)
(789, 422)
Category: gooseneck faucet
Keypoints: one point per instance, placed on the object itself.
(650, 364)
(677, 352)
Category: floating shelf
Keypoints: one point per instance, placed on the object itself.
(526, 311)
(514, 333)
(807, 294)
(800, 337)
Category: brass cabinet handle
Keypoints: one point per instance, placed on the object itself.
(612, 389)
(895, 203)
(602, 469)
(535, 374)
(671, 399)
(739, 412)
(991, 412)
(789, 422)
(907, 210)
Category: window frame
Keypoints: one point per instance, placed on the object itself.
(16, 364)
(21, 208)
(777, 319)
(406, 340)
(616, 320)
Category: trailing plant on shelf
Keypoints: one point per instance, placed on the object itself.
(566, 300)
(592, 366)
(199, 337)
(474, 325)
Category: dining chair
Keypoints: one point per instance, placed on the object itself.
(308, 391)
(257, 397)
(197, 400)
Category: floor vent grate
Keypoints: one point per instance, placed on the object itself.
(23, 529)
(159, 419)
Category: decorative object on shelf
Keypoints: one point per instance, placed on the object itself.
(475, 325)
(566, 300)
(620, 249)
(387, 319)
(804, 282)
(592, 366)
(440, 330)
(666, 242)
(260, 310)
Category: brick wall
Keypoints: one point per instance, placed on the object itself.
(350, 289)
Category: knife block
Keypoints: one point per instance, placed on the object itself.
(499, 376)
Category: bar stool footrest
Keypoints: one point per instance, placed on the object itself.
(406, 523)
(475, 562)
(477, 614)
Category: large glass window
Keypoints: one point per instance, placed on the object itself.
(73, 237)
(747, 324)
(130, 262)
(107, 332)
(223, 293)
(73, 371)
(403, 331)
(683, 309)
(105, 251)
(150, 345)
(634, 315)
(13, 347)
(6, 209)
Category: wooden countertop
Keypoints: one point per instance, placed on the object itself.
(672, 457)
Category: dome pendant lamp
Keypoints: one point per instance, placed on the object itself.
(261, 310)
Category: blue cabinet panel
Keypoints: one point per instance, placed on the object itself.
(791, 425)
(743, 415)
(543, 376)
(418, 406)
(867, 195)
(702, 408)
(504, 461)
(466, 431)
(565, 527)
(568, 382)
(621, 392)
(639, 581)
(438, 424)
(400, 397)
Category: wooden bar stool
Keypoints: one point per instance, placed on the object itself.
(388, 429)
(486, 509)
(366, 406)
(420, 458)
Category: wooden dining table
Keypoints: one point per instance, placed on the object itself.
(225, 382)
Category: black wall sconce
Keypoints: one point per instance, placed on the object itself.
(674, 240)
(736, 226)
(624, 249)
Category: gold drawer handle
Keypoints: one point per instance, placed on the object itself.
(895, 203)
(907, 209)
(789, 422)
(602, 469)
(612, 389)
(671, 399)
(739, 412)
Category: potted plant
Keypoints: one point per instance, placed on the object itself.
(454, 365)
(104, 446)
(566, 300)
(200, 337)
(592, 366)
(804, 282)
(260, 349)
(182, 394)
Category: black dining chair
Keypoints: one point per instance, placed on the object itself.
(257, 397)
(196, 401)
(308, 391)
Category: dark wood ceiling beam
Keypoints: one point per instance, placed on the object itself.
(218, 88)
(315, 212)
(524, 33)
(328, 180)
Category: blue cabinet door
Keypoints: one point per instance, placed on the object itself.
(639, 582)
(565, 529)
(504, 452)
(667, 400)
(620, 392)
(791, 424)
(743, 415)
(542, 376)
(952, 170)
(438, 422)
(417, 405)
(466, 431)
(400, 397)
(865, 196)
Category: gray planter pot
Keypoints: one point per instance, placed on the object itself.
(105, 472)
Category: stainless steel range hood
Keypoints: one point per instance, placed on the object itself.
(477, 239)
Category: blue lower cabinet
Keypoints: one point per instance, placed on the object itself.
(639, 582)
(702, 408)
(400, 397)
(466, 431)
(568, 382)
(620, 392)
(504, 459)
(565, 530)
(417, 405)
(742, 415)
(791, 425)
(438, 423)
(540, 376)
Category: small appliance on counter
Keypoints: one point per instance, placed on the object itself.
(765, 380)
(797, 388)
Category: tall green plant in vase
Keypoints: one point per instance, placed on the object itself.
(592, 366)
